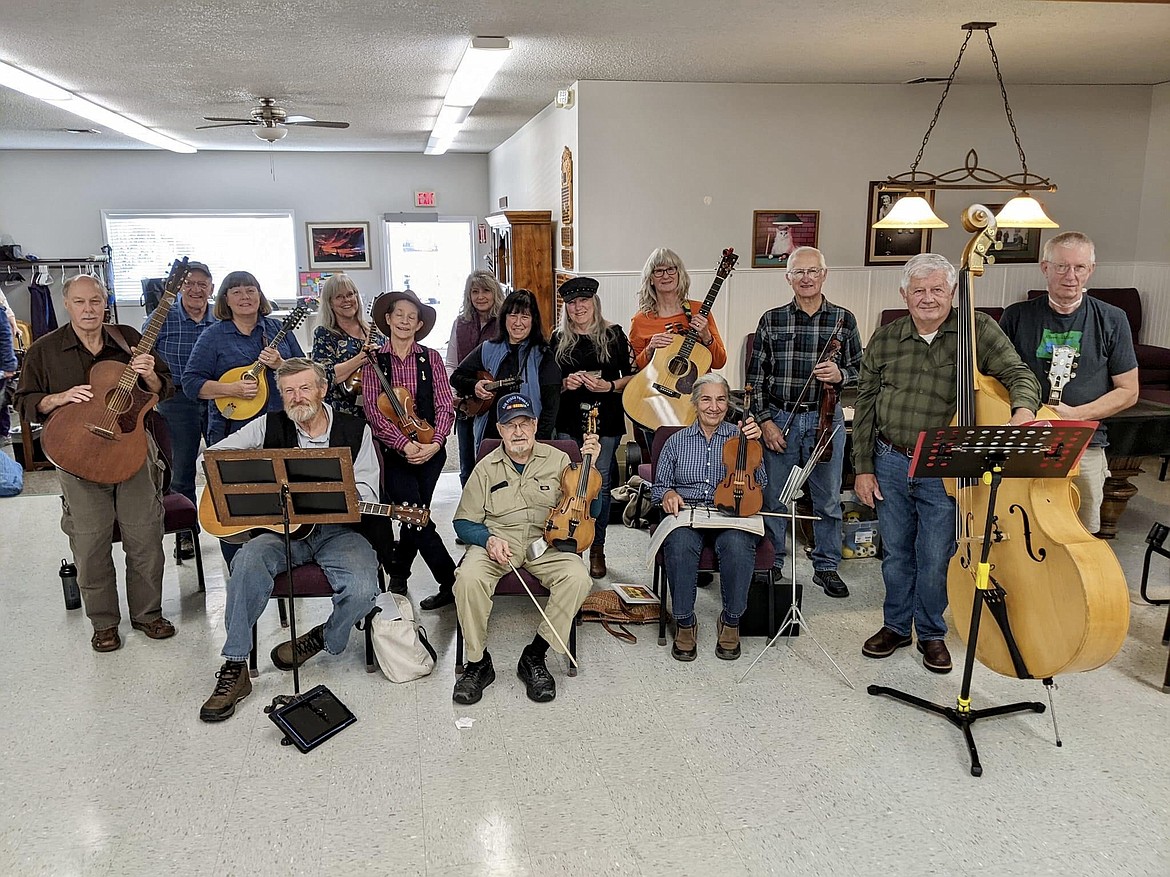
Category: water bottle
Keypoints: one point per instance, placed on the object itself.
(68, 575)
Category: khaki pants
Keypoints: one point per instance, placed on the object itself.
(87, 518)
(565, 575)
(1091, 485)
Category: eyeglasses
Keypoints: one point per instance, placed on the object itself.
(665, 272)
(811, 273)
(1065, 267)
(519, 315)
(201, 284)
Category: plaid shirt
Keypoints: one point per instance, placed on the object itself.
(787, 347)
(693, 466)
(907, 385)
(404, 373)
(177, 337)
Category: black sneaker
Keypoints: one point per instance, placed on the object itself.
(533, 672)
(396, 585)
(232, 685)
(476, 677)
(307, 646)
(445, 597)
(831, 582)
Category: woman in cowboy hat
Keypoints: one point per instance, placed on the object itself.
(411, 469)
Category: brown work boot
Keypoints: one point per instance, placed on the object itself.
(232, 684)
(106, 640)
(160, 628)
(727, 646)
(884, 643)
(597, 561)
(307, 646)
(935, 656)
(686, 643)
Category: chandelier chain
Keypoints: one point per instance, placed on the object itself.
(1006, 106)
(942, 100)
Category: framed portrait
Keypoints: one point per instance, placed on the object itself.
(338, 245)
(776, 233)
(1020, 245)
(891, 246)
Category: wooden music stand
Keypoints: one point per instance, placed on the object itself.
(289, 487)
(992, 453)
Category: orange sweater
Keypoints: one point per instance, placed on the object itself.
(645, 326)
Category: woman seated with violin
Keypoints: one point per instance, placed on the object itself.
(340, 341)
(410, 410)
(690, 468)
(518, 350)
(594, 357)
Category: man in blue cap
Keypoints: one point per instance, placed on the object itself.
(503, 510)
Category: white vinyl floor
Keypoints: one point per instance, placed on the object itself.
(642, 765)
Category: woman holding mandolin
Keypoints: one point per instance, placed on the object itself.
(595, 359)
(477, 321)
(240, 338)
(410, 410)
(518, 350)
(340, 342)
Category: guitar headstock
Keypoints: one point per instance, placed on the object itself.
(727, 263)
(416, 516)
(177, 277)
(298, 315)
(1064, 357)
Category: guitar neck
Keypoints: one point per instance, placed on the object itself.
(692, 336)
(150, 333)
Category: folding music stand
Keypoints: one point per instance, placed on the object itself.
(990, 454)
(289, 487)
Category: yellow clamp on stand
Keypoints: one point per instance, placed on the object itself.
(964, 705)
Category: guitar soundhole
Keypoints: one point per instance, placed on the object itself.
(118, 400)
(679, 366)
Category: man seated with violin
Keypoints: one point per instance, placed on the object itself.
(504, 508)
(805, 353)
(56, 374)
(908, 383)
(689, 469)
(345, 555)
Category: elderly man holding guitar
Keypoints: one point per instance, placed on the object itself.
(92, 379)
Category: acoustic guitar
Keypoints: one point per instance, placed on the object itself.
(472, 406)
(104, 440)
(234, 408)
(659, 395)
(412, 515)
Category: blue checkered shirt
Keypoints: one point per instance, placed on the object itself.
(693, 466)
(177, 337)
(787, 347)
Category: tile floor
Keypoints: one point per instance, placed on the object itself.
(641, 766)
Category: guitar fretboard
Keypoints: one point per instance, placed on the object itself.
(704, 310)
(150, 333)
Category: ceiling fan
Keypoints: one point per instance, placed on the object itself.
(270, 121)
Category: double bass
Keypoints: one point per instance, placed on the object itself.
(1067, 603)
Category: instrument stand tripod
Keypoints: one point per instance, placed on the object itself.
(794, 620)
(991, 453)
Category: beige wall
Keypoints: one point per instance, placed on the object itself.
(1153, 244)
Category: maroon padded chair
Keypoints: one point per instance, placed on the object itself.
(708, 562)
(509, 585)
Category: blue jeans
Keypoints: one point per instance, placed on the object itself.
(736, 551)
(187, 421)
(916, 520)
(609, 445)
(347, 559)
(824, 485)
(465, 432)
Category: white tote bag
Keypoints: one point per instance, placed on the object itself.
(401, 644)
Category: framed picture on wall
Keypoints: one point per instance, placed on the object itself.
(1020, 245)
(891, 246)
(344, 245)
(776, 233)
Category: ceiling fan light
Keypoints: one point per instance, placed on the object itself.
(271, 134)
(1024, 211)
(910, 211)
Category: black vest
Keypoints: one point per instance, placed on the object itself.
(424, 394)
(347, 432)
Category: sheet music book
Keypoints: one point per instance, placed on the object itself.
(701, 518)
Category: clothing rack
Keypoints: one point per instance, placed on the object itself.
(101, 267)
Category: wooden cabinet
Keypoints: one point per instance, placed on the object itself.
(522, 251)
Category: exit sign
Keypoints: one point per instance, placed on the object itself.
(425, 199)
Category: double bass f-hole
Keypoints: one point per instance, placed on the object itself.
(1039, 554)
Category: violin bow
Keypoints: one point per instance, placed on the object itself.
(532, 597)
(808, 382)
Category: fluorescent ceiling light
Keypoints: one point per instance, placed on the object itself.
(33, 86)
(481, 61)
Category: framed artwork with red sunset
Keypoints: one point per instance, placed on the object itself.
(338, 245)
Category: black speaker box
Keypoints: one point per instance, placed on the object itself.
(768, 603)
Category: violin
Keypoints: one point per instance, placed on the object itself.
(740, 494)
(569, 526)
(828, 408)
(1067, 604)
(397, 406)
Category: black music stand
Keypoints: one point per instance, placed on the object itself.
(289, 487)
(991, 453)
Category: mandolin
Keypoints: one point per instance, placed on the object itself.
(104, 440)
(659, 395)
(352, 386)
(412, 515)
(473, 406)
(234, 408)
